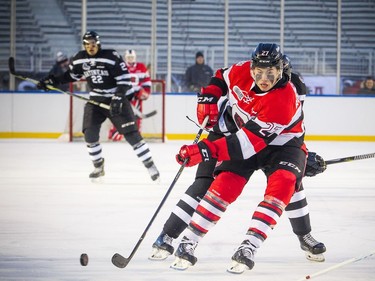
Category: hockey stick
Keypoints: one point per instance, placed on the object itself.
(12, 70)
(350, 158)
(20, 76)
(139, 114)
(352, 260)
(119, 260)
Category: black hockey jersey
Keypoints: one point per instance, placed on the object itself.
(104, 73)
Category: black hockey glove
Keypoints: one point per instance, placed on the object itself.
(116, 105)
(315, 165)
(50, 80)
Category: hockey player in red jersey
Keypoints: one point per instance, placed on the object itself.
(109, 81)
(265, 106)
(297, 210)
(141, 81)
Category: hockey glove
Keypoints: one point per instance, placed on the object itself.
(196, 153)
(142, 94)
(207, 105)
(50, 80)
(315, 165)
(116, 105)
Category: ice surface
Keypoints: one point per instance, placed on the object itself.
(50, 213)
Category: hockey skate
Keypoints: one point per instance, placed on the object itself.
(154, 173)
(185, 254)
(162, 247)
(99, 169)
(313, 249)
(243, 258)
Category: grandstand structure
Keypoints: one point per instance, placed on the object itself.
(310, 32)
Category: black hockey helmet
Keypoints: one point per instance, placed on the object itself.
(90, 35)
(287, 66)
(286, 62)
(267, 55)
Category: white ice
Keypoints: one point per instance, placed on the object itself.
(50, 213)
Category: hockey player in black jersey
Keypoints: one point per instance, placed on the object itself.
(297, 210)
(109, 82)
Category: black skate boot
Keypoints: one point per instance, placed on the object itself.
(99, 169)
(243, 258)
(162, 247)
(313, 249)
(152, 170)
(185, 254)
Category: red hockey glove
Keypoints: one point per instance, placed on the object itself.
(196, 153)
(207, 105)
(142, 94)
(315, 165)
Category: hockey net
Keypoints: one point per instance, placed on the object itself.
(152, 128)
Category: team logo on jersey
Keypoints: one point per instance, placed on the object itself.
(242, 95)
(85, 66)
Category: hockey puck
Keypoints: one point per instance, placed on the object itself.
(84, 259)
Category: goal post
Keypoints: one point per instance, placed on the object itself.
(152, 128)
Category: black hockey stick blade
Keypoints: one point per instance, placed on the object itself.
(350, 158)
(119, 260)
(11, 65)
(141, 115)
(150, 114)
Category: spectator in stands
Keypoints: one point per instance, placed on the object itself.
(198, 75)
(367, 86)
(60, 66)
(4, 82)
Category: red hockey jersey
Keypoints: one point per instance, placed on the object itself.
(269, 118)
(140, 77)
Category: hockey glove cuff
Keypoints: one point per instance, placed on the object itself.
(207, 105)
(315, 165)
(196, 153)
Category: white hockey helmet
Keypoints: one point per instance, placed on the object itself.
(130, 56)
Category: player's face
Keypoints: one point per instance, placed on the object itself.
(266, 77)
(91, 47)
(130, 59)
(369, 84)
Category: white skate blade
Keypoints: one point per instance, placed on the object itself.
(237, 268)
(159, 254)
(315, 257)
(180, 264)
